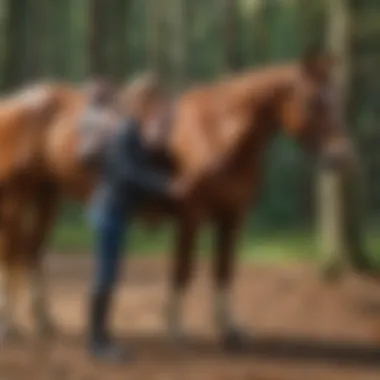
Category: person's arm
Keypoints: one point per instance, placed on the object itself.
(127, 162)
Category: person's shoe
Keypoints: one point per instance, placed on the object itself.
(108, 351)
(100, 345)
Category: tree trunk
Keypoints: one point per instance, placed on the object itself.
(260, 32)
(342, 245)
(116, 38)
(14, 66)
(154, 19)
(179, 43)
(97, 61)
(230, 35)
(36, 32)
(330, 223)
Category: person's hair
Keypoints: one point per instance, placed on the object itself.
(100, 91)
(140, 90)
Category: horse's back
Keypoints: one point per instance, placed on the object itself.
(21, 114)
(26, 116)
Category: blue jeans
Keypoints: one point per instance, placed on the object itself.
(111, 219)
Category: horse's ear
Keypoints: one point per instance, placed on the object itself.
(317, 64)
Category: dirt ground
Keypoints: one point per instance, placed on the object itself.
(301, 328)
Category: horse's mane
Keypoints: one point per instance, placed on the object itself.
(261, 76)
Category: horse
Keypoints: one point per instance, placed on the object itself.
(218, 135)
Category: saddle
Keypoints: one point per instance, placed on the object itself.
(100, 120)
(97, 123)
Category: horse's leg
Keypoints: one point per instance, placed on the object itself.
(181, 273)
(43, 210)
(226, 234)
(9, 276)
(9, 281)
(11, 208)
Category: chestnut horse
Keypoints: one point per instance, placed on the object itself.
(217, 139)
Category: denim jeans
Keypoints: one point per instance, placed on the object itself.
(111, 218)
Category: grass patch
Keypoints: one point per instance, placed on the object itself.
(76, 236)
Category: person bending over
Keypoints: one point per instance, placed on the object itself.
(127, 178)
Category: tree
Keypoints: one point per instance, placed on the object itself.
(179, 43)
(341, 199)
(117, 37)
(260, 31)
(230, 34)
(154, 40)
(15, 46)
(97, 62)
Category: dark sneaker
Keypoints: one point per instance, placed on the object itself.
(109, 351)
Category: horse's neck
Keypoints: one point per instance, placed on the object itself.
(262, 96)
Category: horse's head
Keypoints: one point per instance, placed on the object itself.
(313, 111)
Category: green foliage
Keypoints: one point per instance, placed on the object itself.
(75, 236)
(44, 38)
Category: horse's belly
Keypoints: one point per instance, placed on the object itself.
(232, 193)
(73, 181)
(77, 189)
(62, 165)
(229, 197)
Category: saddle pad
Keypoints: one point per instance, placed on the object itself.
(94, 130)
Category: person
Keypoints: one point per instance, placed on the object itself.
(127, 179)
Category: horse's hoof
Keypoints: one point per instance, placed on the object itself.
(110, 352)
(236, 340)
(331, 272)
(179, 340)
(9, 334)
(46, 330)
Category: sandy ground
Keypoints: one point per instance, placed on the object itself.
(301, 328)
